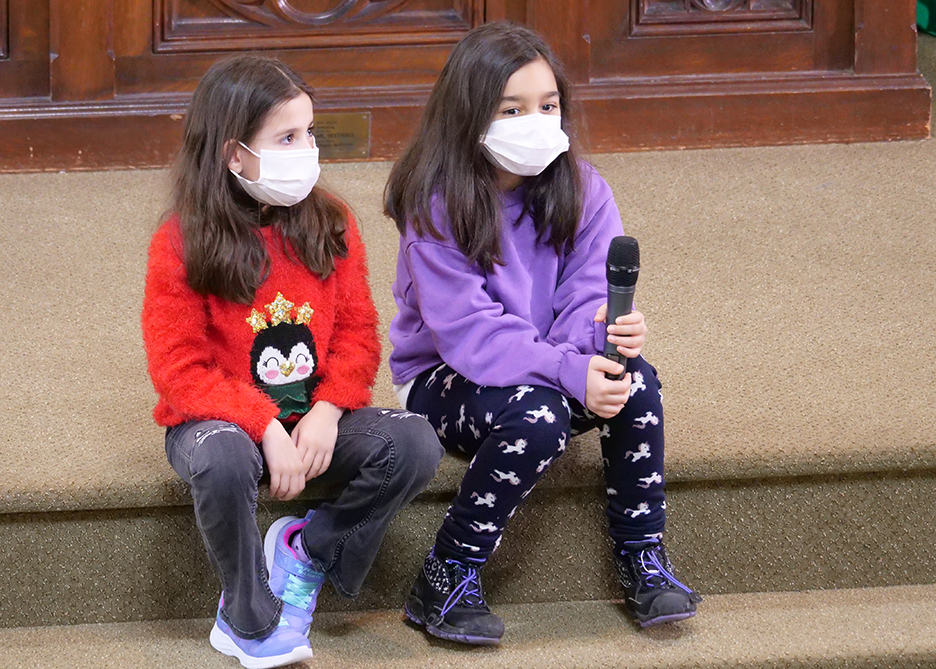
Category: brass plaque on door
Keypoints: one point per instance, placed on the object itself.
(343, 135)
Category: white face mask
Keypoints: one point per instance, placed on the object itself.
(525, 145)
(286, 177)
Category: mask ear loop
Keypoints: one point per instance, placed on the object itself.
(248, 148)
(260, 205)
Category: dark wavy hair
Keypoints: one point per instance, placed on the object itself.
(223, 249)
(445, 159)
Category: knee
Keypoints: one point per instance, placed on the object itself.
(548, 444)
(417, 448)
(643, 375)
(543, 421)
(646, 389)
(225, 457)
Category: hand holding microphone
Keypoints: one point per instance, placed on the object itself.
(623, 267)
(603, 398)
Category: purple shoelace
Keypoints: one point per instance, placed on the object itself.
(650, 555)
(469, 586)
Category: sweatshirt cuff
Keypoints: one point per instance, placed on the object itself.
(573, 370)
(601, 337)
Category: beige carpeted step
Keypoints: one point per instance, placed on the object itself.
(887, 627)
(145, 564)
(789, 293)
(790, 298)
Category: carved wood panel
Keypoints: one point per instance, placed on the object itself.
(687, 17)
(4, 29)
(228, 25)
(112, 89)
(673, 38)
(273, 12)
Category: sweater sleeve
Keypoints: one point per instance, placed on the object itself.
(582, 284)
(474, 335)
(175, 324)
(354, 348)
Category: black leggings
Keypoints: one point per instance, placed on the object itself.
(516, 433)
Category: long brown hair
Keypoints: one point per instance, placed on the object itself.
(223, 249)
(445, 160)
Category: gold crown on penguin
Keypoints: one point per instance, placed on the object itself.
(280, 312)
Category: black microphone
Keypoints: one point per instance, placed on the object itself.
(623, 267)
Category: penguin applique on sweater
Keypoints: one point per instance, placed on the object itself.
(282, 358)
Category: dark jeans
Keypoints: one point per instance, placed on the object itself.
(516, 433)
(385, 457)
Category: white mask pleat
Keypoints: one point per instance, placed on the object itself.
(286, 177)
(525, 145)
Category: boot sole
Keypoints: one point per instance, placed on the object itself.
(672, 618)
(435, 631)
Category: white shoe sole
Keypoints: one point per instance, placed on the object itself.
(222, 643)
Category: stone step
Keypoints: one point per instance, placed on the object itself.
(878, 627)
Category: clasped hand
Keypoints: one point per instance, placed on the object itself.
(294, 459)
(603, 396)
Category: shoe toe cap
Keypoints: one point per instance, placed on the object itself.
(670, 602)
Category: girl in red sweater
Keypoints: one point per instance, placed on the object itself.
(262, 344)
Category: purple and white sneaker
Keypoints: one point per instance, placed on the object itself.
(654, 595)
(448, 600)
(284, 645)
(292, 579)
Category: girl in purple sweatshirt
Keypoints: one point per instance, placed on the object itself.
(501, 293)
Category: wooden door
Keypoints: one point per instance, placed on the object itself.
(90, 84)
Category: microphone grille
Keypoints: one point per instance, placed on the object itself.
(624, 252)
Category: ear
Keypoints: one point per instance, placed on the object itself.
(233, 149)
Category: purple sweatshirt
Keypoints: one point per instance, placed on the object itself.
(530, 321)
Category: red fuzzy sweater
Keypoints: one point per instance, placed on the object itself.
(302, 340)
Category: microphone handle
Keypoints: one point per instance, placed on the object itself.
(620, 302)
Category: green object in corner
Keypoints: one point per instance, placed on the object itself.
(926, 16)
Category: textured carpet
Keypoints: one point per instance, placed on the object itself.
(789, 294)
(790, 297)
(888, 627)
(150, 564)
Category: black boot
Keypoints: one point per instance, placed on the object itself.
(653, 594)
(447, 599)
